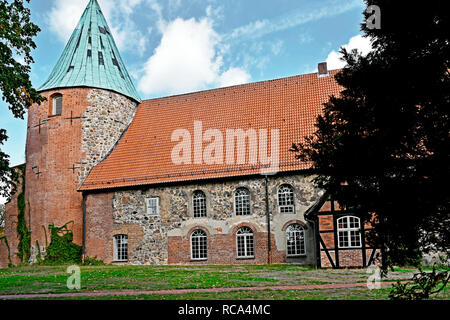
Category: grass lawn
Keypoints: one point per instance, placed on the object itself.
(52, 279)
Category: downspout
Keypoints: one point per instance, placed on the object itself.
(269, 244)
(315, 232)
(83, 250)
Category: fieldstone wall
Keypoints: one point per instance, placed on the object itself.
(176, 221)
(107, 117)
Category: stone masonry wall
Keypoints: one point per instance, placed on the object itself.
(164, 238)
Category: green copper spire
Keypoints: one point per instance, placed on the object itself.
(91, 58)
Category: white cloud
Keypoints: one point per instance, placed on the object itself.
(65, 14)
(233, 76)
(263, 27)
(188, 58)
(357, 42)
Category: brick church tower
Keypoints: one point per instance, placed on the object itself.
(91, 100)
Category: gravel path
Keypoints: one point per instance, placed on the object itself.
(182, 291)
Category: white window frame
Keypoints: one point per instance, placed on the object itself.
(296, 229)
(148, 207)
(119, 248)
(236, 196)
(199, 203)
(202, 236)
(353, 224)
(56, 96)
(246, 233)
(286, 194)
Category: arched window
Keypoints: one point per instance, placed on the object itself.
(199, 245)
(349, 235)
(242, 202)
(57, 104)
(199, 204)
(295, 241)
(121, 247)
(245, 244)
(286, 199)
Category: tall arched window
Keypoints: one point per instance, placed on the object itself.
(286, 199)
(199, 245)
(295, 241)
(199, 204)
(57, 104)
(121, 247)
(242, 202)
(349, 235)
(245, 244)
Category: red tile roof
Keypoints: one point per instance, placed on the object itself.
(143, 155)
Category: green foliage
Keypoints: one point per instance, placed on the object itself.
(3, 238)
(16, 40)
(24, 246)
(386, 136)
(93, 262)
(423, 285)
(61, 248)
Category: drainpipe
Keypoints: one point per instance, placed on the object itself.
(83, 252)
(269, 245)
(316, 252)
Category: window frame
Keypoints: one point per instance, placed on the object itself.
(203, 205)
(118, 249)
(348, 231)
(147, 207)
(199, 245)
(291, 198)
(302, 243)
(246, 233)
(248, 194)
(53, 110)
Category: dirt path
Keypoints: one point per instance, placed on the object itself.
(182, 291)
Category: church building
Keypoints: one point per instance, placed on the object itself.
(197, 178)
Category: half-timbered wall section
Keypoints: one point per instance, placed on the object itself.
(341, 237)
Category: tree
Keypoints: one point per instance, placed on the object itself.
(383, 144)
(16, 41)
(2, 217)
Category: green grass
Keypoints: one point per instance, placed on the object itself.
(52, 279)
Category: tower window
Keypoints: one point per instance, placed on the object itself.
(100, 58)
(121, 248)
(57, 104)
(89, 53)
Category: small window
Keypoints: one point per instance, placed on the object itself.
(245, 245)
(242, 202)
(57, 104)
(153, 206)
(349, 235)
(286, 199)
(100, 58)
(89, 53)
(199, 204)
(121, 248)
(295, 241)
(199, 245)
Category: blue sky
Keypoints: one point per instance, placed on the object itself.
(178, 46)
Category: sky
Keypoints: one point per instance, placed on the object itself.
(180, 46)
